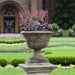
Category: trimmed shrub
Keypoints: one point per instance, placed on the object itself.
(64, 12)
(48, 52)
(65, 61)
(12, 41)
(3, 62)
(17, 61)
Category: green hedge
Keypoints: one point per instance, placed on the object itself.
(48, 52)
(17, 61)
(3, 62)
(65, 61)
(14, 62)
(11, 41)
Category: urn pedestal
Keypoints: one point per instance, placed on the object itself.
(38, 69)
(37, 64)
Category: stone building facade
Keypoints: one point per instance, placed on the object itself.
(9, 12)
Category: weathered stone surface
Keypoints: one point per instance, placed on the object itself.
(37, 40)
(38, 69)
(37, 64)
(25, 4)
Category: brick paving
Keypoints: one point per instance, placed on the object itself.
(11, 35)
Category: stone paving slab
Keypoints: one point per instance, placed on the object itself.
(11, 35)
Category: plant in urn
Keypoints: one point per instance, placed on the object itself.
(37, 33)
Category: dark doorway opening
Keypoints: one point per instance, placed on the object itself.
(9, 24)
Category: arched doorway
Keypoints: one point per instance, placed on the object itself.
(9, 13)
(9, 21)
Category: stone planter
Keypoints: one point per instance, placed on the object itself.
(37, 40)
(37, 64)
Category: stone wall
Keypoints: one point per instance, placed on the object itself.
(24, 4)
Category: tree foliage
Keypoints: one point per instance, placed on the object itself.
(64, 13)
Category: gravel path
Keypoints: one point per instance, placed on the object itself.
(11, 35)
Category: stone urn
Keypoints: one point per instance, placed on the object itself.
(37, 40)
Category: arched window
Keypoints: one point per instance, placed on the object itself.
(9, 12)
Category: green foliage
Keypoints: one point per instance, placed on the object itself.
(65, 32)
(58, 48)
(60, 60)
(60, 39)
(63, 72)
(55, 56)
(3, 62)
(70, 31)
(11, 56)
(53, 42)
(18, 61)
(14, 71)
(55, 26)
(60, 31)
(48, 52)
(64, 57)
(64, 12)
(22, 72)
(12, 41)
(22, 47)
(73, 27)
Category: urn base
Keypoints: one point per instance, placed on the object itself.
(37, 58)
(38, 69)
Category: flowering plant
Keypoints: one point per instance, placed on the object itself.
(35, 21)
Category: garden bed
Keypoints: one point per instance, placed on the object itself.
(64, 58)
(21, 72)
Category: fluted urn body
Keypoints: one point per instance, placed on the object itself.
(37, 40)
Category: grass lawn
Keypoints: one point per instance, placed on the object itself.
(11, 41)
(58, 42)
(61, 43)
(53, 45)
(60, 51)
(25, 48)
(21, 72)
(63, 72)
(53, 39)
(65, 39)
(14, 48)
(60, 48)
(10, 56)
(62, 54)
(12, 72)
